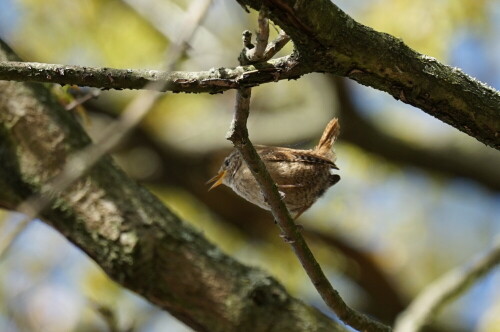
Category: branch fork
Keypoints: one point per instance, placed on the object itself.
(290, 232)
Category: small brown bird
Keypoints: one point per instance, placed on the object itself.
(302, 176)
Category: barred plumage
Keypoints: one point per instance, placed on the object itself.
(302, 176)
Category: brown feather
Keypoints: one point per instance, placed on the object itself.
(301, 175)
(329, 136)
(277, 154)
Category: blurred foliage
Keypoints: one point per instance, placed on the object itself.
(92, 32)
(195, 124)
(416, 225)
(426, 27)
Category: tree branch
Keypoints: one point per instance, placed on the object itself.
(135, 239)
(189, 171)
(291, 233)
(446, 288)
(211, 81)
(328, 40)
(82, 161)
(449, 161)
(238, 134)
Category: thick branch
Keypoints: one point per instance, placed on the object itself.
(135, 239)
(189, 171)
(450, 161)
(81, 162)
(329, 40)
(211, 81)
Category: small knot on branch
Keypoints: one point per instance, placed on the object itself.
(247, 39)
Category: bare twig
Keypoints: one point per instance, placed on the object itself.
(212, 81)
(84, 160)
(127, 231)
(93, 93)
(276, 45)
(262, 50)
(331, 41)
(153, 11)
(262, 33)
(238, 134)
(257, 53)
(445, 289)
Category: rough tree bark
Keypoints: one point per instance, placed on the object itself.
(146, 248)
(135, 239)
(328, 40)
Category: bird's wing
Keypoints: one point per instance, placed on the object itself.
(276, 154)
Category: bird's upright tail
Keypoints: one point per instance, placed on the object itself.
(329, 136)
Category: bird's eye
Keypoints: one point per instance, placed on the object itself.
(226, 162)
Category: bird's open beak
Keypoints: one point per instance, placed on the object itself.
(217, 180)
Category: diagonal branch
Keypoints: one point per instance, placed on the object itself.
(328, 40)
(129, 233)
(190, 170)
(82, 161)
(238, 134)
(446, 288)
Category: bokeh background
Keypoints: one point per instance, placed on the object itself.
(416, 198)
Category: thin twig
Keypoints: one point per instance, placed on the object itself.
(257, 53)
(445, 289)
(153, 11)
(276, 45)
(263, 50)
(262, 32)
(93, 93)
(82, 161)
(238, 134)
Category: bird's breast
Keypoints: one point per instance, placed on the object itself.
(300, 185)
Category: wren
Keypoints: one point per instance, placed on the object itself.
(301, 176)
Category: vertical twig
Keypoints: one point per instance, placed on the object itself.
(238, 134)
(262, 35)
